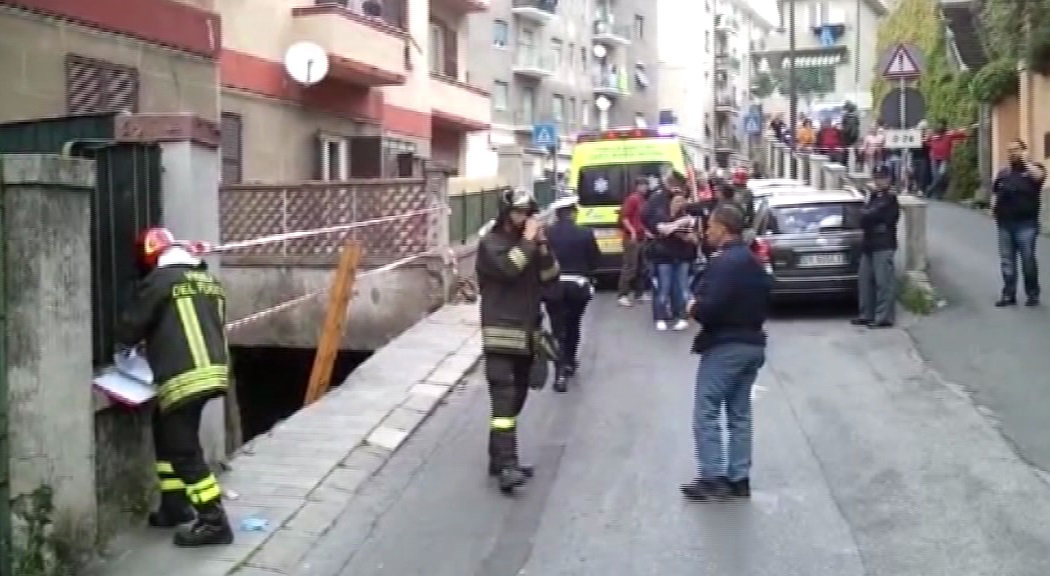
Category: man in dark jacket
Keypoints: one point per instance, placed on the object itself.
(178, 311)
(877, 277)
(1016, 195)
(576, 250)
(513, 264)
(731, 306)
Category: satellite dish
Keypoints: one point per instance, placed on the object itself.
(599, 51)
(602, 103)
(306, 63)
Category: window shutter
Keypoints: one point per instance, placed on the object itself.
(84, 86)
(122, 89)
(232, 148)
(451, 52)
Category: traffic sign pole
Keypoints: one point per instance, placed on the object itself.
(903, 62)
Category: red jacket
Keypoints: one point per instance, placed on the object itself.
(941, 144)
(631, 213)
(829, 138)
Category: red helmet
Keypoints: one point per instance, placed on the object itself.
(151, 243)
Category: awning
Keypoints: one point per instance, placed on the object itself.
(815, 61)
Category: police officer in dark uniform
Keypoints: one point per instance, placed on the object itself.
(577, 253)
(513, 265)
(178, 311)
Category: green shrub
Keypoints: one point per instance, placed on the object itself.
(995, 81)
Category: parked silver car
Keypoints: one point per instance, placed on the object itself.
(813, 238)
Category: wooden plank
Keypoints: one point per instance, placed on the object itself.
(335, 320)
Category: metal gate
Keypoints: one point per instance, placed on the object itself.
(127, 198)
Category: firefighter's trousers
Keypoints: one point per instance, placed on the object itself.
(180, 459)
(508, 377)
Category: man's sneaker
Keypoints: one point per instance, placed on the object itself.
(625, 301)
(681, 325)
(526, 470)
(511, 478)
(739, 488)
(1032, 301)
(704, 490)
(661, 326)
(646, 297)
(1005, 301)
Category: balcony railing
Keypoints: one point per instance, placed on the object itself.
(372, 9)
(532, 59)
(726, 62)
(606, 81)
(727, 143)
(541, 6)
(606, 30)
(726, 102)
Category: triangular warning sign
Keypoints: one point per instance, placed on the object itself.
(901, 64)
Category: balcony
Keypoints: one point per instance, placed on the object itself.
(726, 63)
(532, 63)
(727, 144)
(611, 84)
(464, 6)
(524, 119)
(363, 50)
(459, 105)
(726, 105)
(538, 11)
(605, 32)
(726, 24)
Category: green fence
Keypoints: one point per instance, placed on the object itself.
(471, 210)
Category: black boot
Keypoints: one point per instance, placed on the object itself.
(739, 488)
(705, 490)
(494, 469)
(511, 478)
(561, 383)
(174, 510)
(211, 528)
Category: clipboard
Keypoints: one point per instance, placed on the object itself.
(128, 382)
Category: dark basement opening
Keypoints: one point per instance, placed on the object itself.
(271, 382)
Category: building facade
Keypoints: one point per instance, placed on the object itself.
(706, 88)
(396, 92)
(558, 62)
(835, 55)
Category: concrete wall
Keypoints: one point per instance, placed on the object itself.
(46, 221)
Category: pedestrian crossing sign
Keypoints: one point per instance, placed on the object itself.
(544, 135)
(752, 125)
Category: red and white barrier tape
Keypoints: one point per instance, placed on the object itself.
(206, 248)
(307, 297)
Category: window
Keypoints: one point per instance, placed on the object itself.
(583, 58)
(500, 33)
(526, 39)
(558, 108)
(558, 52)
(812, 218)
(528, 105)
(444, 50)
(500, 95)
(334, 156)
(98, 87)
(639, 26)
(818, 13)
(232, 148)
(572, 56)
(585, 114)
(608, 184)
(571, 114)
(398, 158)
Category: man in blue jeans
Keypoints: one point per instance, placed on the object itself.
(1016, 194)
(731, 306)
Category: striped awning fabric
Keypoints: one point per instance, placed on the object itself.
(815, 61)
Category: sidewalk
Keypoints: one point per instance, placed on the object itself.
(301, 475)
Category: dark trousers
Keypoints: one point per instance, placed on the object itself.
(1017, 241)
(632, 272)
(508, 377)
(181, 467)
(877, 287)
(566, 314)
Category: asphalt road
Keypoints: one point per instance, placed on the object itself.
(867, 463)
(1000, 356)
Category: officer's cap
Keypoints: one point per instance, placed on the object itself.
(570, 201)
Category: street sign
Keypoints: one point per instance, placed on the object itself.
(914, 108)
(900, 139)
(753, 125)
(545, 135)
(903, 61)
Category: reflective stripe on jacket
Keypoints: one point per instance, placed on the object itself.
(179, 311)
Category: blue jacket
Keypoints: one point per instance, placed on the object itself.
(574, 246)
(732, 299)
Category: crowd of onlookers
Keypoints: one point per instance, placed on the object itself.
(923, 170)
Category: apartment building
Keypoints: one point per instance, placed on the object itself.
(835, 54)
(549, 61)
(395, 93)
(158, 56)
(737, 28)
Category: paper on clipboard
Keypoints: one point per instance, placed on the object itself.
(129, 381)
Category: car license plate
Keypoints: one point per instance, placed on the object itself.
(610, 245)
(606, 233)
(815, 260)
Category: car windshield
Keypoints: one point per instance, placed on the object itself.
(609, 184)
(813, 218)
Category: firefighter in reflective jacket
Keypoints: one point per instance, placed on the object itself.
(513, 263)
(178, 312)
(576, 250)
